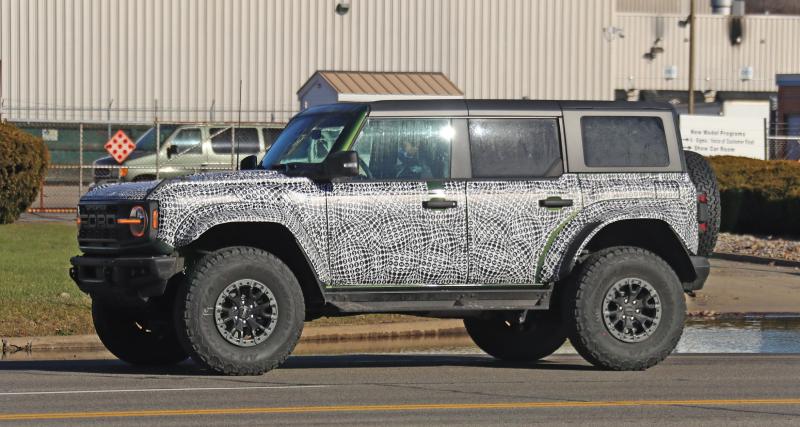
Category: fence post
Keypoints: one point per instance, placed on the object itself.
(158, 136)
(80, 160)
(108, 116)
(766, 139)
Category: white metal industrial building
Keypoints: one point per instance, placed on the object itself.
(128, 60)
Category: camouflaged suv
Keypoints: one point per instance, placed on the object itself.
(534, 221)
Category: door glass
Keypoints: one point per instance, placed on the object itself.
(406, 149)
(188, 141)
(246, 139)
(507, 148)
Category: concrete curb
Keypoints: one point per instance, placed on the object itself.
(314, 334)
(755, 259)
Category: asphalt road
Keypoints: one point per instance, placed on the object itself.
(407, 389)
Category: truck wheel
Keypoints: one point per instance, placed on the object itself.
(136, 339)
(241, 312)
(505, 338)
(626, 309)
(704, 180)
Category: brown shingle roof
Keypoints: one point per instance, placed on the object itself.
(389, 83)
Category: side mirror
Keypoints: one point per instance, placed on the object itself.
(341, 164)
(249, 163)
(172, 150)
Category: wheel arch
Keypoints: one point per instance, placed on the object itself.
(272, 237)
(654, 235)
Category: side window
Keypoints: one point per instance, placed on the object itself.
(188, 141)
(624, 141)
(270, 135)
(246, 139)
(503, 148)
(406, 149)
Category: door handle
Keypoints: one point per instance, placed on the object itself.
(555, 202)
(439, 204)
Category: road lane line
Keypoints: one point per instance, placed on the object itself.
(150, 390)
(384, 408)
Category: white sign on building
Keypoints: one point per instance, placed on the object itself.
(724, 136)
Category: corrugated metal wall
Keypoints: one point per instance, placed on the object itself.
(769, 46)
(70, 59)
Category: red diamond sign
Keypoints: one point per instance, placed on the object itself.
(120, 146)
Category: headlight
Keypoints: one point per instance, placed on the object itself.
(137, 220)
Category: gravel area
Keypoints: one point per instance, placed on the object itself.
(761, 246)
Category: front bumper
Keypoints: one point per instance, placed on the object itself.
(141, 277)
(702, 269)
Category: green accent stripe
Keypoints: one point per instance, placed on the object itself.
(551, 238)
(350, 139)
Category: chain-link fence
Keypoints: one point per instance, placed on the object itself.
(783, 141)
(79, 159)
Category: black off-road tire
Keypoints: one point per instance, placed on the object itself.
(540, 336)
(704, 180)
(135, 338)
(195, 305)
(583, 303)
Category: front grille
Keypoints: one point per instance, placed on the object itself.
(105, 173)
(98, 221)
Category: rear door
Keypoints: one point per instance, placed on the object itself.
(518, 198)
(403, 222)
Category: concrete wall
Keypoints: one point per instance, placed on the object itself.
(68, 59)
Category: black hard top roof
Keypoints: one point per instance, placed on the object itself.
(504, 106)
(482, 107)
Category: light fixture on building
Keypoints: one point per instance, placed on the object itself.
(342, 8)
(746, 73)
(671, 72)
(611, 33)
(655, 50)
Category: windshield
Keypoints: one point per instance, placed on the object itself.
(307, 139)
(147, 142)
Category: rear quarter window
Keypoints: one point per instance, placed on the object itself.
(610, 141)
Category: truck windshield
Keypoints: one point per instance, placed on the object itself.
(147, 142)
(307, 139)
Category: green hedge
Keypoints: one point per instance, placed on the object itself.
(23, 162)
(758, 196)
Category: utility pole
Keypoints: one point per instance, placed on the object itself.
(691, 57)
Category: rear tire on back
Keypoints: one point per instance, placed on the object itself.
(241, 311)
(626, 309)
(135, 337)
(503, 337)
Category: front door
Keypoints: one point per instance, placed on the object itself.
(403, 221)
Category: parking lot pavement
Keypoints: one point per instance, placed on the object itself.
(408, 389)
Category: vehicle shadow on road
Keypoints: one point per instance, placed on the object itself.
(348, 361)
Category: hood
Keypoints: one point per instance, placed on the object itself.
(123, 191)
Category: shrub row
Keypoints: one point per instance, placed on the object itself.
(758, 196)
(23, 162)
